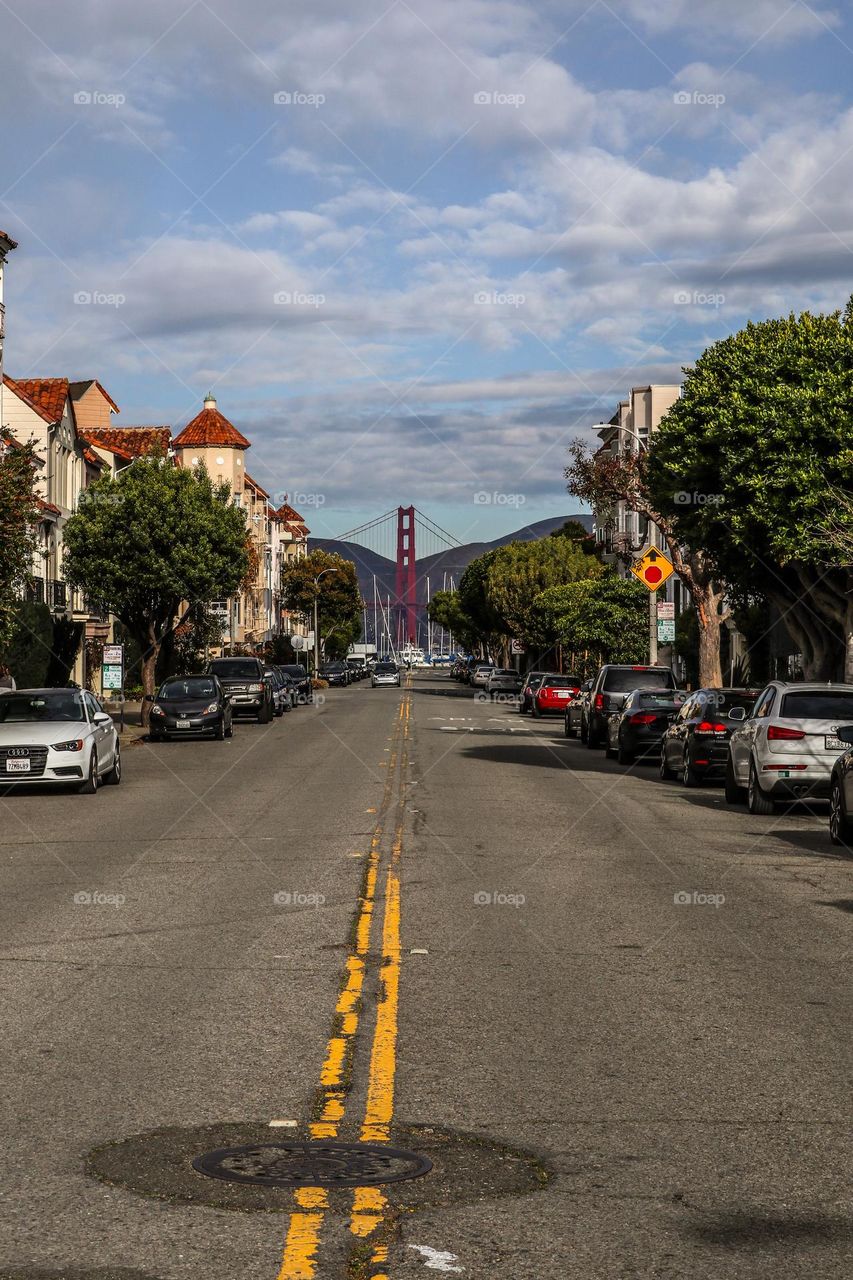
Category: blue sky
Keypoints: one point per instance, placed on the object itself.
(461, 233)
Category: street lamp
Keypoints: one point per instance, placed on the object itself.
(317, 619)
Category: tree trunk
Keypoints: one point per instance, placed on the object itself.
(150, 652)
(710, 668)
(848, 633)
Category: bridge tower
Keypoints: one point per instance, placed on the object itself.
(405, 585)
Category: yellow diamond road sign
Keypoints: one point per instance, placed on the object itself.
(653, 568)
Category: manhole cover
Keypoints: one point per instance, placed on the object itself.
(312, 1164)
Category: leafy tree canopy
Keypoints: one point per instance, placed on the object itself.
(606, 617)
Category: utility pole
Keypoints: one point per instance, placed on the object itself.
(653, 628)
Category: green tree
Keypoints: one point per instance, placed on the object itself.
(744, 465)
(338, 597)
(18, 522)
(475, 603)
(596, 620)
(445, 610)
(520, 571)
(153, 542)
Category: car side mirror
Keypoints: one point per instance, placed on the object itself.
(149, 697)
(737, 713)
(845, 733)
(102, 717)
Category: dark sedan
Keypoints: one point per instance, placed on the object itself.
(335, 673)
(841, 792)
(189, 705)
(637, 728)
(301, 679)
(696, 743)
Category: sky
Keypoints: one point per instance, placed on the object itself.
(417, 247)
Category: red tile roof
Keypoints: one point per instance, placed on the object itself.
(48, 507)
(289, 516)
(259, 488)
(22, 394)
(48, 394)
(130, 442)
(93, 459)
(210, 427)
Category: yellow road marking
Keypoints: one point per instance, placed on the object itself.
(303, 1236)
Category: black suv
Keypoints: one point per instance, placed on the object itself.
(609, 690)
(249, 690)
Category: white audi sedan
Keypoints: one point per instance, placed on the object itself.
(786, 747)
(57, 736)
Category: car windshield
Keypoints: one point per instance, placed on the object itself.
(188, 688)
(723, 702)
(335, 666)
(298, 672)
(662, 699)
(228, 668)
(504, 671)
(385, 669)
(47, 705)
(626, 679)
(815, 704)
(560, 682)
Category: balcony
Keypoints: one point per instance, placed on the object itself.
(34, 591)
(57, 594)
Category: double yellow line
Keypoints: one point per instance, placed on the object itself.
(370, 1206)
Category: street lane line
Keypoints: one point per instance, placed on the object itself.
(299, 1261)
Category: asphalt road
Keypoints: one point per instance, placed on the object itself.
(409, 915)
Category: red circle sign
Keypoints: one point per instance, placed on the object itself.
(653, 574)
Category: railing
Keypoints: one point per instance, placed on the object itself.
(34, 593)
(57, 594)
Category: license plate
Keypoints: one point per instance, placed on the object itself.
(562, 693)
(834, 744)
(182, 724)
(17, 766)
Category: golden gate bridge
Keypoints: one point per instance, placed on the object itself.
(403, 536)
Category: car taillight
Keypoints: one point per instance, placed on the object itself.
(642, 717)
(707, 727)
(599, 702)
(778, 733)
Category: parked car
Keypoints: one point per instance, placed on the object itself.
(280, 690)
(841, 792)
(576, 709)
(469, 668)
(551, 696)
(610, 688)
(188, 705)
(301, 680)
(249, 691)
(385, 673)
(57, 736)
(504, 680)
(357, 668)
(291, 689)
(637, 729)
(529, 682)
(696, 744)
(787, 748)
(336, 674)
(480, 675)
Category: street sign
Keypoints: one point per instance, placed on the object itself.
(653, 568)
(666, 610)
(666, 631)
(111, 677)
(297, 642)
(517, 646)
(113, 655)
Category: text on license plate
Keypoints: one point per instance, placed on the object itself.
(562, 693)
(17, 766)
(834, 744)
(183, 724)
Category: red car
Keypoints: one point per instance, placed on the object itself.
(552, 695)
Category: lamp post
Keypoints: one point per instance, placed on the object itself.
(317, 618)
(653, 595)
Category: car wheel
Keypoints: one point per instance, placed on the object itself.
(624, 756)
(609, 752)
(840, 826)
(90, 786)
(265, 714)
(568, 728)
(689, 776)
(583, 731)
(537, 714)
(219, 734)
(756, 801)
(591, 738)
(733, 791)
(665, 771)
(113, 778)
(229, 732)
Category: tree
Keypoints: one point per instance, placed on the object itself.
(153, 542)
(475, 603)
(338, 597)
(519, 571)
(575, 532)
(18, 522)
(445, 610)
(603, 479)
(597, 620)
(744, 464)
